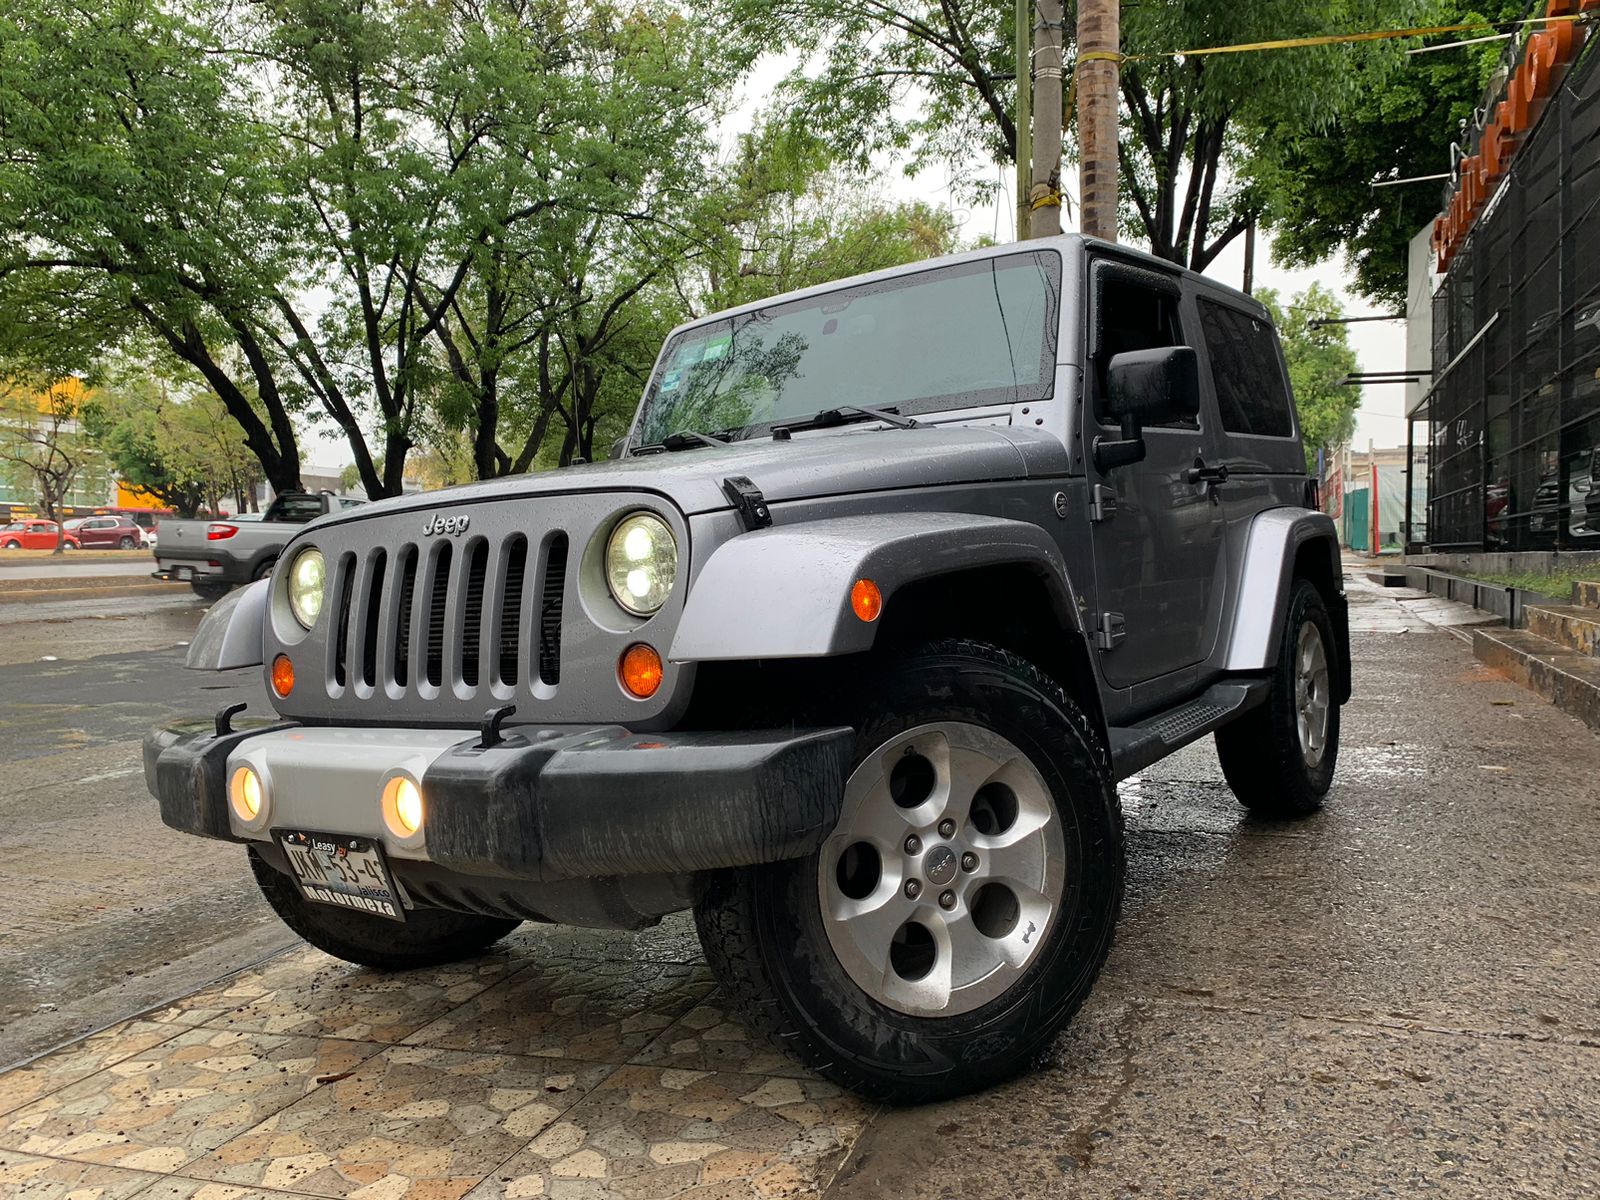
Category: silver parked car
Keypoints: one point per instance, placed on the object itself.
(889, 584)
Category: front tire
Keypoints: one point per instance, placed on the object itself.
(1279, 757)
(209, 592)
(429, 936)
(965, 903)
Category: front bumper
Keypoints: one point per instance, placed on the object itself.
(545, 804)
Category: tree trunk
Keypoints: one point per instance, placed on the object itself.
(1099, 45)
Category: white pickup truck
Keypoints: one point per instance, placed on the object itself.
(215, 556)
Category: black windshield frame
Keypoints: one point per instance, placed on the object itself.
(1021, 390)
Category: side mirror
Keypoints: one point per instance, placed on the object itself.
(1154, 387)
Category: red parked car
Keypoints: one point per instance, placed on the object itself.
(112, 532)
(33, 535)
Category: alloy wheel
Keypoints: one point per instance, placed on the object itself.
(940, 883)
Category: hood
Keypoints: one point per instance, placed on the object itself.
(805, 467)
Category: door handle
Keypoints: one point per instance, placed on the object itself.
(1200, 473)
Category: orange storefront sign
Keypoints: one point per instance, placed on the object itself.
(1544, 60)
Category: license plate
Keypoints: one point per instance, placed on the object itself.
(185, 572)
(342, 871)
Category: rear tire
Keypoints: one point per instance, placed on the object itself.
(429, 936)
(791, 942)
(125, 544)
(1279, 758)
(264, 570)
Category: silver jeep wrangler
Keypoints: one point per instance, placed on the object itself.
(889, 584)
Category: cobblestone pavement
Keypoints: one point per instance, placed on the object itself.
(1397, 997)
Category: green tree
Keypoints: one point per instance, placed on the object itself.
(788, 217)
(1318, 357)
(1316, 183)
(169, 434)
(935, 78)
(41, 443)
(358, 213)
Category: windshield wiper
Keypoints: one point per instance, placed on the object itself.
(686, 439)
(844, 414)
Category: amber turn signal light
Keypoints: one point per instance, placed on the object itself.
(640, 671)
(866, 601)
(282, 676)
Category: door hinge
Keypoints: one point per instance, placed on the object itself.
(1102, 502)
(748, 500)
(1110, 631)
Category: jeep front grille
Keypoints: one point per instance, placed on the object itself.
(473, 617)
(437, 628)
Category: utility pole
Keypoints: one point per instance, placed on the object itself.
(1045, 193)
(1099, 69)
(1250, 257)
(1024, 40)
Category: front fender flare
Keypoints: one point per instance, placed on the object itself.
(230, 633)
(784, 592)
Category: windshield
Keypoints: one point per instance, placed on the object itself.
(960, 336)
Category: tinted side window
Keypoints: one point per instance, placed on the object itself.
(1132, 318)
(1244, 367)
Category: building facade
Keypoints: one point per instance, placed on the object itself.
(1510, 418)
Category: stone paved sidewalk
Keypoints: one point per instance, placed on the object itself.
(566, 1063)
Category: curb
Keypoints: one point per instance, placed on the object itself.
(83, 585)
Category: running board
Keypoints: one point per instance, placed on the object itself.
(1135, 747)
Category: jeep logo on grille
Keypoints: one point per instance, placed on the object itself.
(449, 526)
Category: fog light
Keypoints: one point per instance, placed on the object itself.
(640, 671)
(245, 794)
(282, 677)
(402, 806)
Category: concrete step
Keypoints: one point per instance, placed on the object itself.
(1586, 595)
(1570, 626)
(1386, 578)
(1569, 680)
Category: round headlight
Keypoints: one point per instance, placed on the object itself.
(307, 573)
(641, 563)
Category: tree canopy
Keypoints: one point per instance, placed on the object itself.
(935, 80)
(1318, 357)
(1315, 185)
(378, 214)
(462, 228)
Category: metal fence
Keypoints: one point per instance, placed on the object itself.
(1515, 405)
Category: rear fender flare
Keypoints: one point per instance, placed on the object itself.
(230, 635)
(784, 592)
(1266, 578)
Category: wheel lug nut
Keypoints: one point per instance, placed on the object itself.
(947, 899)
(969, 861)
(913, 889)
(913, 844)
(947, 828)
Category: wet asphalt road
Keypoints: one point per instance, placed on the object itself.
(1399, 996)
(105, 910)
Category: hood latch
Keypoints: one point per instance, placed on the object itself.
(749, 501)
